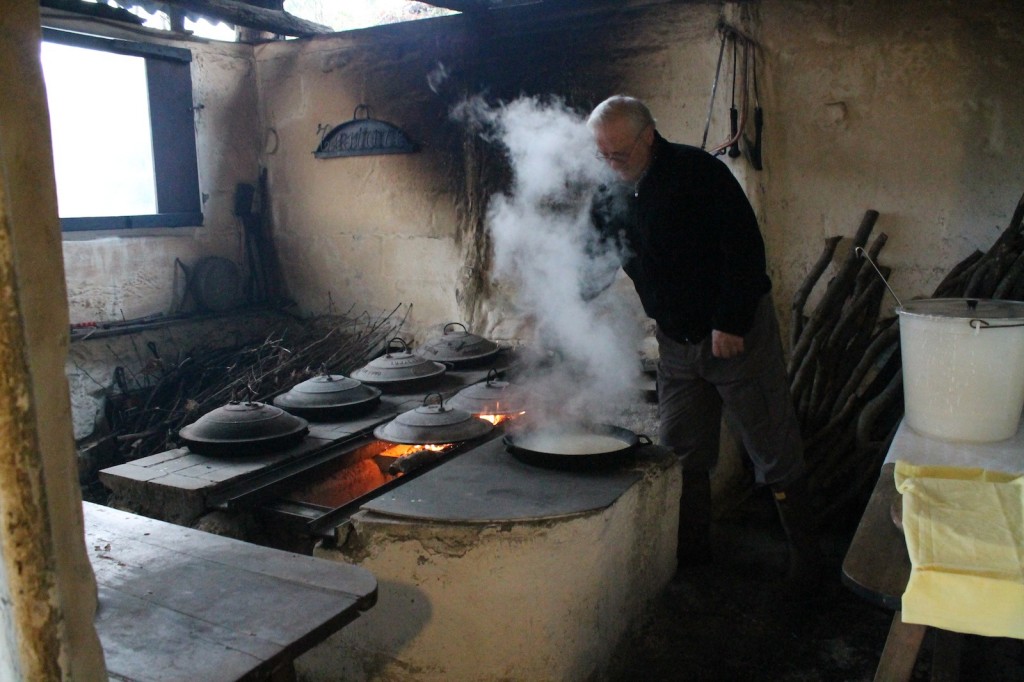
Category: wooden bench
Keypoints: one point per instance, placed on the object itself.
(181, 604)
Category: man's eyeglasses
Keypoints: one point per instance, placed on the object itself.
(621, 157)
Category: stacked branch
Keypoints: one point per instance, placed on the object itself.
(846, 372)
(147, 409)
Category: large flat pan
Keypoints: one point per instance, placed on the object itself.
(581, 448)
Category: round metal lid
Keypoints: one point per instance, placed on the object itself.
(327, 391)
(244, 422)
(492, 396)
(397, 367)
(987, 310)
(457, 346)
(432, 423)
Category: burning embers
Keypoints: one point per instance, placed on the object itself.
(368, 469)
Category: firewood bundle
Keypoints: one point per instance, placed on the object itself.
(144, 416)
(845, 370)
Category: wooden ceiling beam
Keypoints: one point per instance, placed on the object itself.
(253, 16)
(230, 11)
(471, 6)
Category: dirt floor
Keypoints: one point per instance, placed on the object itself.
(731, 621)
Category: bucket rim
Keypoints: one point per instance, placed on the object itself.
(991, 312)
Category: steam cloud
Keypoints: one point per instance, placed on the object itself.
(547, 249)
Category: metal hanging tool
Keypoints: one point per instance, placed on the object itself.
(754, 148)
(714, 90)
(734, 147)
(742, 113)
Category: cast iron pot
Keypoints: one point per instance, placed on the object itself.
(243, 428)
(432, 423)
(579, 447)
(458, 348)
(492, 396)
(399, 370)
(329, 396)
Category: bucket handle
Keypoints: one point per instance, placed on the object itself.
(978, 325)
(864, 254)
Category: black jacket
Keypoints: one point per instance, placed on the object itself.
(690, 243)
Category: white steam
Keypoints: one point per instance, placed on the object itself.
(545, 248)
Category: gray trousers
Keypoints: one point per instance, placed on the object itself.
(693, 387)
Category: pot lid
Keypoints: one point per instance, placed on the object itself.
(327, 391)
(457, 346)
(397, 366)
(986, 310)
(432, 423)
(244, 422)
(492, 396)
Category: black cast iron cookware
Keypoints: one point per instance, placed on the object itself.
(432, 423)
(579, 447)
(458, 348)
(329, 396)
(243, 428)
(399, 369)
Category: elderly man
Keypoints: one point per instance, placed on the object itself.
(693, 249)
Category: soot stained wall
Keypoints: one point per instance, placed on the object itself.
(906, 111)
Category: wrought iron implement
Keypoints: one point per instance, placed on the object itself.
(364, 137)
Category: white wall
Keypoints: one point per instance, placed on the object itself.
(908, 110)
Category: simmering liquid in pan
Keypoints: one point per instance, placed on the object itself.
(560, 443)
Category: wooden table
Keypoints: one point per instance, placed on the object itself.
(877, 567)
(181, 604)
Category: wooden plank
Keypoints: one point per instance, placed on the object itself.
(900, 652)
(177, 603)
(877, 565)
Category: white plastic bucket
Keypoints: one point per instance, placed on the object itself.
(963, 368)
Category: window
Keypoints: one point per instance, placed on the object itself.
(124, 145)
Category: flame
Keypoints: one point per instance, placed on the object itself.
(399, 450)
(499, 418)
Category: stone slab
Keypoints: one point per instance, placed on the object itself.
(487, 484)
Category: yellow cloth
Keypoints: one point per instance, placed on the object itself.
(965, 536)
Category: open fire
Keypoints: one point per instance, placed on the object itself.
(498, 418)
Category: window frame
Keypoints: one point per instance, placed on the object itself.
(175, 161)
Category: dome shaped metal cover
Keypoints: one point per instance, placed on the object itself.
(492, 396)
(328, 394)
(243, 428)
(457, 346)
(432, 423)
(398, 368)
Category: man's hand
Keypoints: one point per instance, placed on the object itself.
(725, 345)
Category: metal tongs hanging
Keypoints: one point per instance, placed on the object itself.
(737, 116)
(754, 149)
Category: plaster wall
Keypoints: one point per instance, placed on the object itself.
(48, 593)
(128, 274)
(908, 109)
(905, 110)
(374, 231)
(543, 600)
